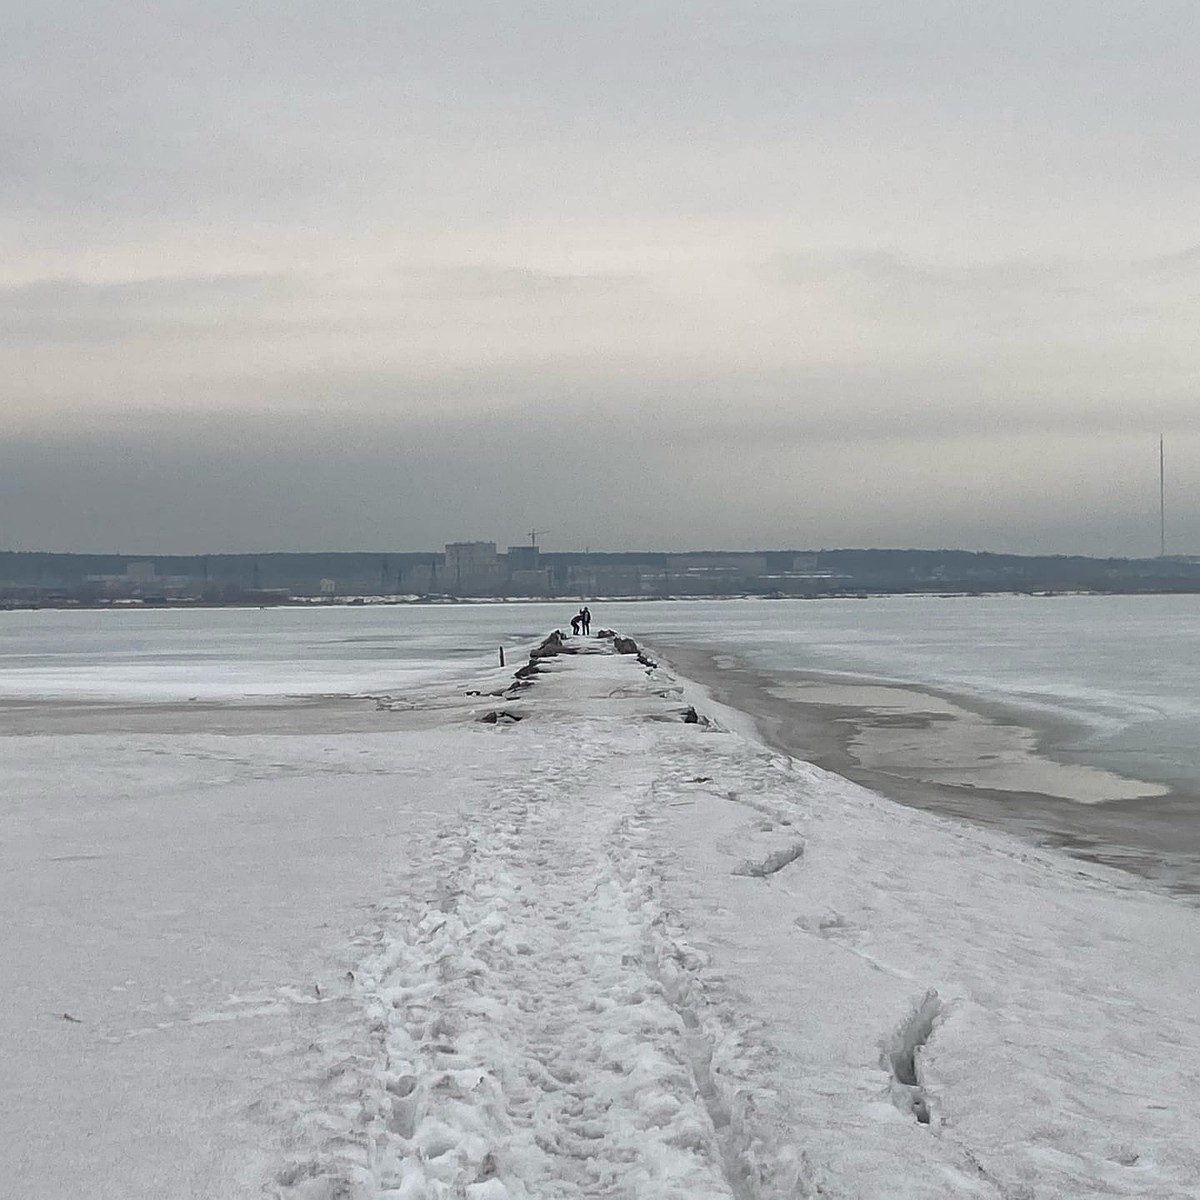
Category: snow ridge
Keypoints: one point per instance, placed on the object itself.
(770, 863)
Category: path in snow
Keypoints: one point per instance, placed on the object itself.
(532, 1018)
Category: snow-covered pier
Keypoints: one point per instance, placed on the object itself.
(641, 955)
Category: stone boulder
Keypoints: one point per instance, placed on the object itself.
(500, 716)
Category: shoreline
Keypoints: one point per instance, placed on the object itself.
(374, 600)
(892, 745)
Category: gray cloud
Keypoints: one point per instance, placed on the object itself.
(589, 478)
(491, 281)
(72, 310)
(800, 273)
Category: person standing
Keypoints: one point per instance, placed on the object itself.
(586, 614)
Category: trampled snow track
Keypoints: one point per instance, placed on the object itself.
(539, 1030)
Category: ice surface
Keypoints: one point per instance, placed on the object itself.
(157, 655)
(595, 953)
(927, 737)
(1117, 671)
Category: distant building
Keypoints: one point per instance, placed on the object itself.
(529, 583)
(625, 579)
(472, 568)
(522, 558)
(719, 563)
(140, 579)
(140, 572)
(422, 576)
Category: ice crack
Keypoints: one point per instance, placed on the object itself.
(902, 1057)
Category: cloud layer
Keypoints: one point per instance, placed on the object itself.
(810, 274)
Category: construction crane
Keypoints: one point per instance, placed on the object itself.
(534, 534)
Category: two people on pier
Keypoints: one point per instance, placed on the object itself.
(582, 622)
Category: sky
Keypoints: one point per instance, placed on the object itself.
(643, 275)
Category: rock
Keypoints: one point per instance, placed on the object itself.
(692, 717)
(646, 661)
(499, 716)
(624, 645)
(548, 647)
(608, 634)
(530, 668)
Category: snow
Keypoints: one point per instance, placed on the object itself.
(598, 952)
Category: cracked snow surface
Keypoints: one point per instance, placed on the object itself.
(648, 959)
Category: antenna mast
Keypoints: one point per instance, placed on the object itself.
(1162, 497)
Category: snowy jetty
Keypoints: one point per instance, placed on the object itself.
(637, 954)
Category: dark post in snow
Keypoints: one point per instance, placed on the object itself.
(502, 656)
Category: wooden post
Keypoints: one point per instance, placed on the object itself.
(502, 656)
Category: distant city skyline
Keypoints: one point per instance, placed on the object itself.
(478, 570)
(678, 276)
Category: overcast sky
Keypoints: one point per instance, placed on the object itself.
(379, 275)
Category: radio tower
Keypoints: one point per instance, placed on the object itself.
(1162, 500)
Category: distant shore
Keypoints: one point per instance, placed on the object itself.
(175, 604)
(483, 569)
(930, 750)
